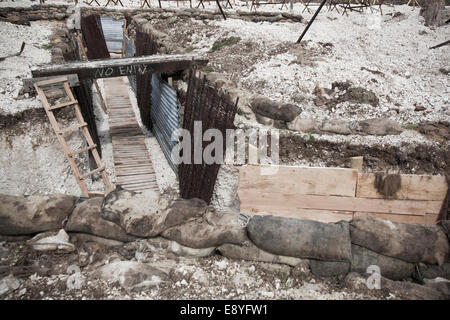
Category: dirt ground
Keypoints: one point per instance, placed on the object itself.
(44, 276)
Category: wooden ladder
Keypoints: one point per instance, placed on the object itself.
(81, 125)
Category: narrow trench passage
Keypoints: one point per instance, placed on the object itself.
(132, 162)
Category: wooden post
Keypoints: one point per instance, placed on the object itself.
(97, 88)
(357, 163)
(124, 32)
(312, 20)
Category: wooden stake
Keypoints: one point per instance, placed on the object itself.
(97, 88)
(357, 163)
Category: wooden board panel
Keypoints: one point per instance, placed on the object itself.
(251, 199)
(414, 187)
(325, 216)
(301, 180)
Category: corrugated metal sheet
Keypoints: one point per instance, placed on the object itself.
(164, 114)
(113, 31)
(130, 51)
(164, 110)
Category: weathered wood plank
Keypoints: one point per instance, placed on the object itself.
(28, 83)
(106, 68)
(133, 166)
(413, 187)
(301, 180)
(251, 199)
(325, 216)
(427, 219)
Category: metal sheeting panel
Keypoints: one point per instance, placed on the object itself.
(113, 31)
(130, 51)
(164, 114)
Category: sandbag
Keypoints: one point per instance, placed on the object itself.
(426, 271)
(391, 268)
(148, 214)
(409, 242)
(329, 268)
(86, 218)
(21, 215)
(305, 239)
(250, 252)
(212, 230)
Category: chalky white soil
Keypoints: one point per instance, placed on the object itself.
(31, 160)
(397, 47)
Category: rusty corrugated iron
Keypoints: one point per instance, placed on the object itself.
(91, 27)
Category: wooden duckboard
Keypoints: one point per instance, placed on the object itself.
(333, 194)
(132, 164)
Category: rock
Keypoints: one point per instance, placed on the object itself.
(9, 284)
(48, 241)
(131, 275)
(250, 252)
(30, 215)
(439, 284)
(394, 269)
(213, 230)
(329, 268)
(304, 125)
(86, 218)
(419, 108)
(360, 95)
(409, 242)
(305, 239)
(379, 127)
(276, 111)
(355, 281)
(427, 271)
(336, 126)
(403, 289)
(146, 214)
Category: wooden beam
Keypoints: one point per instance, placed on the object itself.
(28, 83)
(271, 201)
(413, 187)
(108, 68)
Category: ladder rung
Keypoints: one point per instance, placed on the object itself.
(84, 176)
(51, 81)
(83, 150)
(64, 104)
(73, 128)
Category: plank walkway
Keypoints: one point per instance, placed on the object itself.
(133, 166)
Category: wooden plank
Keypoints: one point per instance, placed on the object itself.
(301, 180)
(106, 68)
(325, 216)
(292, 201)
(413, 187)
(28, 83)
(133, 166)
